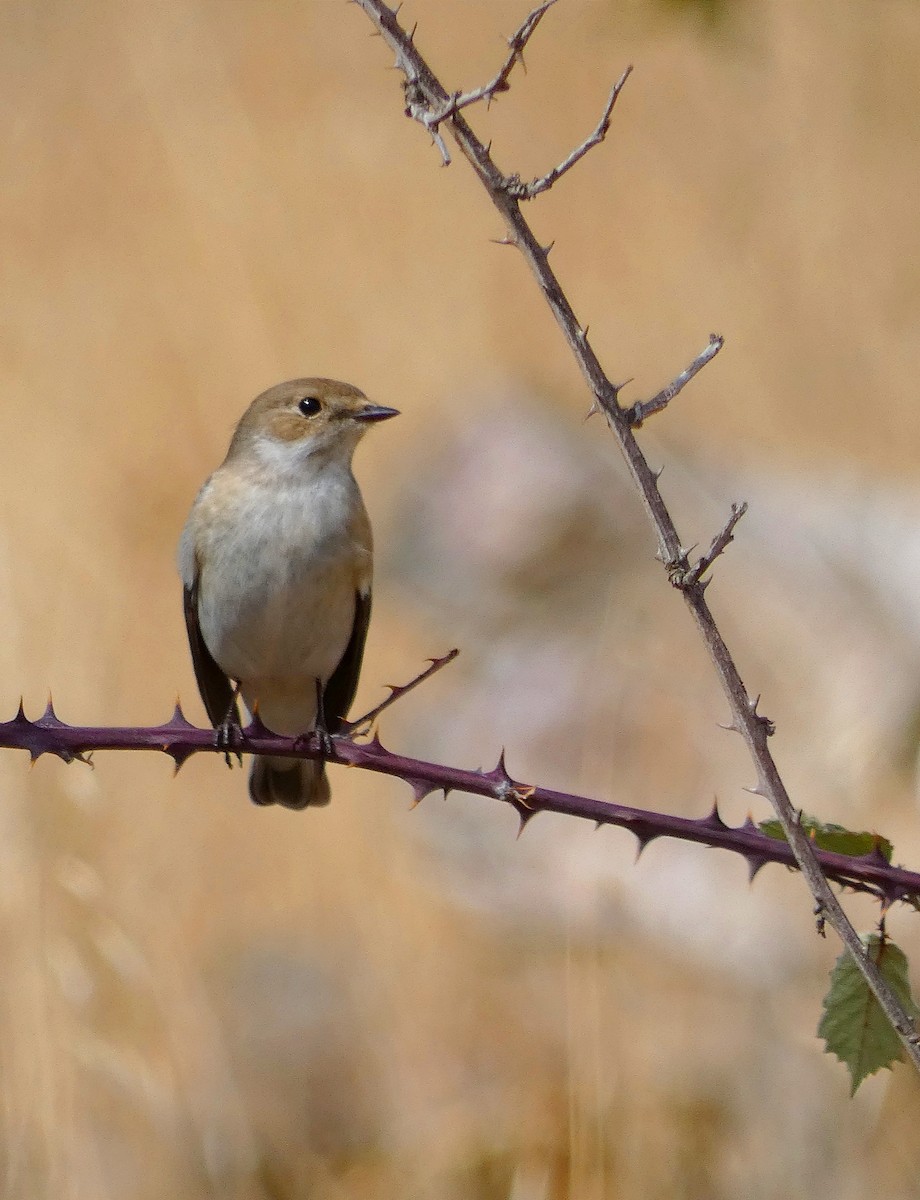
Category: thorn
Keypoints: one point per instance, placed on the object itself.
(875, 858)
(49, 716)
(753, 791)
(21, 718)
(412, 34)
(178, 720)
(593, 411)
(505, 241)
(524, 817)
(257, 727)
(489, 146)
(179, 755)
(500, 773)
(643, 839)
(375, 746)
(546, 249)
(714, 820)
(420, 789)
(754, 865)
(889, 897)
(599, 825)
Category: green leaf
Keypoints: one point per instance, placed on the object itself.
(837, 839)
(854, 1026)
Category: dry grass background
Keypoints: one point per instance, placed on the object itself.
(202, 999)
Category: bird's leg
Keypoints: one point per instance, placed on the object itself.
(322, 729)
(230, 731)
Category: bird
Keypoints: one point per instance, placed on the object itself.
(276, 562)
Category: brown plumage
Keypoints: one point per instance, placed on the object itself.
(276, 560)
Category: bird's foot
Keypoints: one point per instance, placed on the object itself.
(320, 728)
(228, 737)
(324, 741)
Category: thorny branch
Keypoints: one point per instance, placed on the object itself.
(178, 738)
(363, 725)
(425, 95)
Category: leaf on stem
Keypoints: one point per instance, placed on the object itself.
(835, 838)
(854, 1027)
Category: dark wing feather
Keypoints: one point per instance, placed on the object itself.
(343, 682)
(217, 692)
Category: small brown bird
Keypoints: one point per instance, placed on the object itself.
(276, 559)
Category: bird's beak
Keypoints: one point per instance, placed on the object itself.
(375, 412)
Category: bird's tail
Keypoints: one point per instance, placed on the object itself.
(289, 782)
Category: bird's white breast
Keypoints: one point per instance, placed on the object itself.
(279, 561)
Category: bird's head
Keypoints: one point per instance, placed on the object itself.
(294, 421)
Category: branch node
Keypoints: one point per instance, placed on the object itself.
(720, 544)
(765, 723)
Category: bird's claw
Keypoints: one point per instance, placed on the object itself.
(227, 737)
(324, 741)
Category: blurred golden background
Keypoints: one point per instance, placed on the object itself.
(203, 999)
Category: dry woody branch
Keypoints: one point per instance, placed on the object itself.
(426, 102)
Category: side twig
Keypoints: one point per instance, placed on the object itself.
(528, 191)
(426, 94)
(643, 409)
(489, 91)
(363, 724)
(684, 576)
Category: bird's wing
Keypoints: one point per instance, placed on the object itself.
(343, 682)
(217, 692)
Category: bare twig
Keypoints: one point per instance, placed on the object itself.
(643, 409)
(428, 94)
(527, 191)
(516, 44)
(363, 724)
(178, 738)
(683, 578)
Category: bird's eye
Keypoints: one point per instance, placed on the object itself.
(309, 406)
